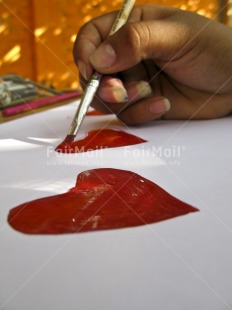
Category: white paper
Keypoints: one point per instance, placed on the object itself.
(182, 263)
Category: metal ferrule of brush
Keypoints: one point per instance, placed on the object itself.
(85, 102)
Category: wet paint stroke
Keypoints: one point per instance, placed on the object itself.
(99, 139)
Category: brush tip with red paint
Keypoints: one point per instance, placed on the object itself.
(65, 144)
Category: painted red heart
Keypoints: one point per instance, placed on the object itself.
(102, 199)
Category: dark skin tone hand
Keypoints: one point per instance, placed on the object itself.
(164, 63)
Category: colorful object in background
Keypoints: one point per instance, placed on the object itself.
(18, 95)
(102, 199)
(32, 105)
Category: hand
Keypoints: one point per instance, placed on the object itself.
(164, 63)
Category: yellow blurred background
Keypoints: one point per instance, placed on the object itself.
(37, 36)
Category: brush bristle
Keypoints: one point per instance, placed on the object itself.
(69, 139)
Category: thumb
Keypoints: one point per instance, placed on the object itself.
(134, 42)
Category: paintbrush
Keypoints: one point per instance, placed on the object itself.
(95, 79)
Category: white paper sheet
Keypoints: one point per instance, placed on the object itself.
(182, 263)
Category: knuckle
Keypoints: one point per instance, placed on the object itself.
(132, 37)
(138, 37)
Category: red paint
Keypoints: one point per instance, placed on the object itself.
(98, 139)
(94, 113)
(102, 199)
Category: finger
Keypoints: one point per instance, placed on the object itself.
(161, 40)
(207, 107)
(131, 86)
(96, 31)
(112, 90)
(144, 111)
(141, 81)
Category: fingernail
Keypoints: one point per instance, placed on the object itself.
(138, 90)
(103, 57)
(82, 69)
(160, 105)
(119, 93)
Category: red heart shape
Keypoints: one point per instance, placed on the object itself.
(102, 199)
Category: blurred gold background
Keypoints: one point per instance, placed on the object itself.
(37, 35)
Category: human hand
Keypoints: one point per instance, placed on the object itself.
(164, 63)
